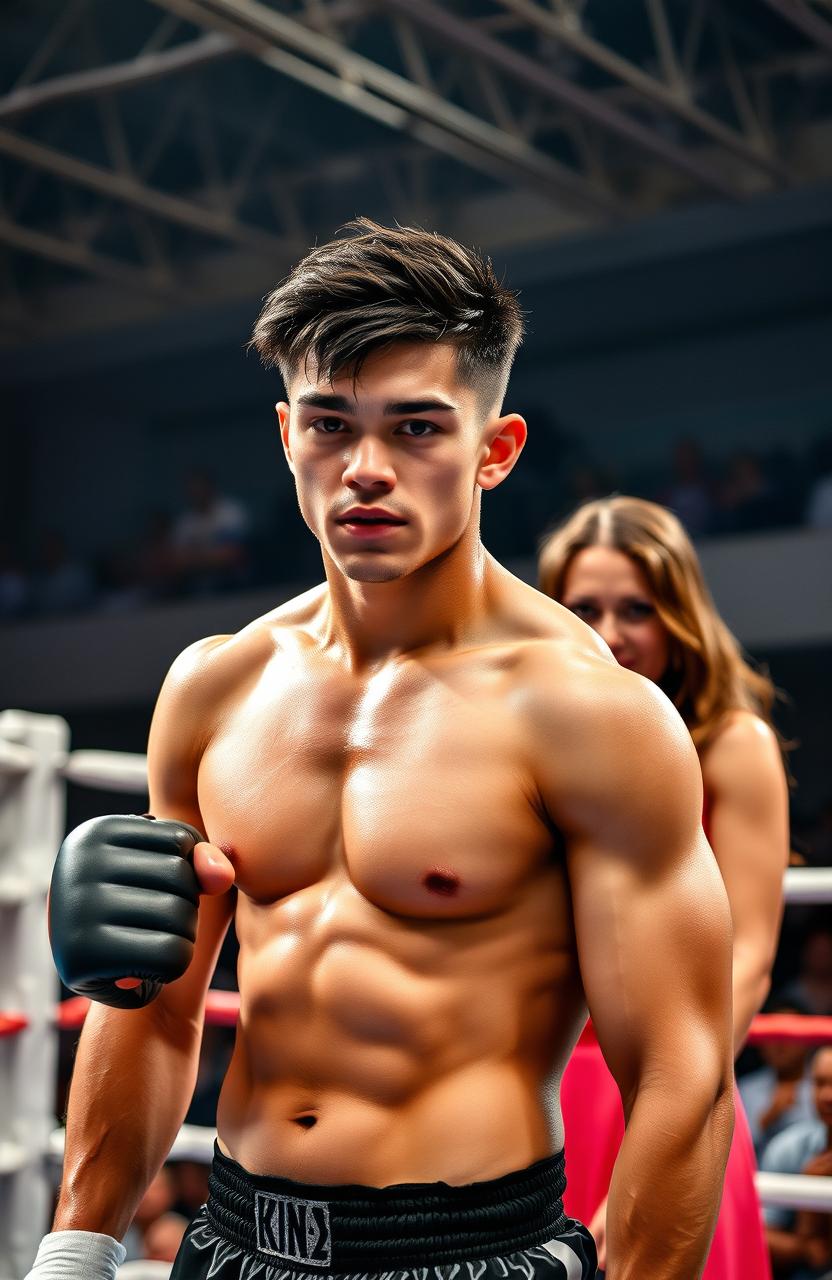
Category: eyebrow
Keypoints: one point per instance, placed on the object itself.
(589, 597)
(341, 404)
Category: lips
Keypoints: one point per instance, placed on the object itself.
(369, 516)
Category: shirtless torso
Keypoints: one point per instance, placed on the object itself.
(408, 968)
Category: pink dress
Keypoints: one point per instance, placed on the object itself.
(594, 1125)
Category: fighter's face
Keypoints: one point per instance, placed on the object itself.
(609, 591)
(387, 468)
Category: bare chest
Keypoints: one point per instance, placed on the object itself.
(414, 785)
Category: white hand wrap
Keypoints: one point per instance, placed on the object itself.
(77, 1255)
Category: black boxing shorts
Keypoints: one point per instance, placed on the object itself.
(261, 1228)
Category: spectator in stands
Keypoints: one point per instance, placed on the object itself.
(190, 1179)
(585, 481)
(819, 506)
(688, 494)
(789, 496)
(164, 1236)
(15, 588)
(156, 558)
(119, 588)
(211, 538)
(800, 1242)
(156, 1201)
(812, 988)
(779, 1093)
(747, 501)
(62, 584)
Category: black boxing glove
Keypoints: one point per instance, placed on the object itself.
(123, 904)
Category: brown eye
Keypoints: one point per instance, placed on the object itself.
(639, 610)
(327, 426)
(583, 610)
(427, 428)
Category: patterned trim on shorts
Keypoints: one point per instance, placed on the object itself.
(206, 1256)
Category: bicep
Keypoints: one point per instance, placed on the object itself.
(177, 738)
(179, 731)
(654, 953)
(620, 778)
(185, 998)
(651, 916)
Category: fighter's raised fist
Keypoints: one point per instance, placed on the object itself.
(123, 904)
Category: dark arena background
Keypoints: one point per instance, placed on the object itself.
(654, 178)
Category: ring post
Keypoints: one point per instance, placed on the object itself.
(32, 809)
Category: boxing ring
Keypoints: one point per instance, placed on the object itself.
(36, 764)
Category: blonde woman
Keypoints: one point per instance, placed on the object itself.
(628, 569)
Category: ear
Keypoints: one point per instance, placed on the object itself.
(284, 416)
(503, 441)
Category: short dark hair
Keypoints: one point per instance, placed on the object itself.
(373, 286)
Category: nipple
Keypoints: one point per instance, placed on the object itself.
(442, 882)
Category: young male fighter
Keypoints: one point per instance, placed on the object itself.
(453, 822)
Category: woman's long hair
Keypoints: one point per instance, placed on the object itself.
(707, 675)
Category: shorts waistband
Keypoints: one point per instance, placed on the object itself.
(355, 1228)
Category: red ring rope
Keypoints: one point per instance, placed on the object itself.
(12, 1023)
(222, 1009)
(796, 1027)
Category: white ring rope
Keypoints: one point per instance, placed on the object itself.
(193, 1142)
(16, 758)
(790, 1190)
(107, 770)
(807, 884)
(794, 1190)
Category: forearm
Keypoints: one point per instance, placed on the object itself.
(751, 982)
(133, 1080)
(667, 1182)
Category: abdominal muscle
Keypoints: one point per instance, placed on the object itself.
(378, 1050)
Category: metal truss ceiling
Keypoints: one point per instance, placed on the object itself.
(178, 150)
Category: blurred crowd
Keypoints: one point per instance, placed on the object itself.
(216, 543)
(205, 549)
(786, 1088)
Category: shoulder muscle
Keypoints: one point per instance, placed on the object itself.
(611, 752)
(743, 760)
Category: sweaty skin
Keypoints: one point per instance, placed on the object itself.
(444, 848)
(404, 1002)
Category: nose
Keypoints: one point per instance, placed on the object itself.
(368, 466)
(609, 629)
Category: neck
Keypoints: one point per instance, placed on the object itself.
(432, 608)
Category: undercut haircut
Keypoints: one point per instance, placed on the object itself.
(373, 286)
